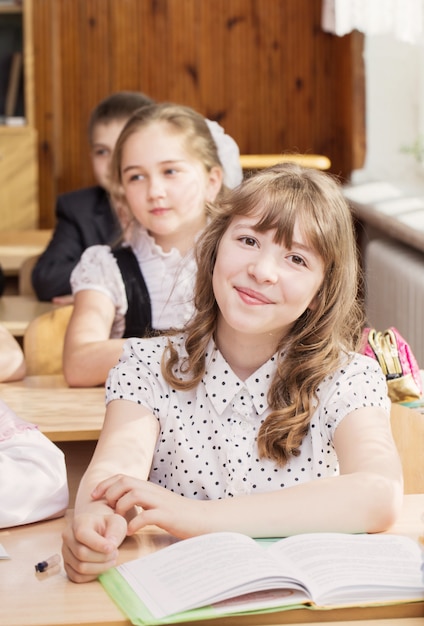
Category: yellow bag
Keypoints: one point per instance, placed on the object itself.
(397, 361)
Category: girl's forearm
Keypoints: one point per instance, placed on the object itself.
(359, 502)
(84, 503)
(88, 365)
(125, 447)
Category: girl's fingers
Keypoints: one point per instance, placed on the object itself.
(83, 571)
(104, 485)
(90, 545)
(114, 489)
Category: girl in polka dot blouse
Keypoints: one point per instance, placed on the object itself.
(260, 417)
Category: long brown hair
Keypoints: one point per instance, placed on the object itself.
(284, 195)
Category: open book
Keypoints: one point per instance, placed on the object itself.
(231, 574)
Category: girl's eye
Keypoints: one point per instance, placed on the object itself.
(297, 260)
(101, 152)
(170, 171)
(249, 241)
(136, 177)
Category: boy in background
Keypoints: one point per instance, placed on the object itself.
(85, 217)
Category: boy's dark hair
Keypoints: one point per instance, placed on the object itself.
(118, 106)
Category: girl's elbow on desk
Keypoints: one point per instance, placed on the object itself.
(76, 379)
(383, 498)
(72, 370)
(78, 375)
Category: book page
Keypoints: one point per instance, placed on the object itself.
(341, 568)
(202, 570)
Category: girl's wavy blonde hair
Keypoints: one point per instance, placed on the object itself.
(179, 119)
(282, 196)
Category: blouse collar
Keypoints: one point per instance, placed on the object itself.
(222, 384)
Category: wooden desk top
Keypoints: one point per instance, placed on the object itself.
(18, 245)
(63, 413)
(29, 599)
(16, 312)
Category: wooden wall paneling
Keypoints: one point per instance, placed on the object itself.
(160, 60)
(151, 50)
(186, 43)
(229, 68)
(126, 57)
(71, 89)
(351, 87)
(263, 68)
(342, 103)
(337, 141)
(310, 74)
(96, 48)
(44, 106)
(83, 46)
(230, 92)
(278, 79)
(289, 65)
(325, 114)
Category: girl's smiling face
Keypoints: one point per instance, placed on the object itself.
(262, 287)
(166, 187)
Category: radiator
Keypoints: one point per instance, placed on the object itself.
(394, 291)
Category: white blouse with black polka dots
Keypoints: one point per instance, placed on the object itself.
(207, 444)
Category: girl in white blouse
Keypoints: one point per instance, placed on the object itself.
(166, 171)
(260, 417)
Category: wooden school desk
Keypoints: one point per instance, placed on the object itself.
(16, 312)
(62, 413)
(18, 245)
(30, 599)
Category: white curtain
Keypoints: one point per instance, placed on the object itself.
(404, 19)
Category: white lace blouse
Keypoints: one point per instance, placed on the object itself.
(169, 279)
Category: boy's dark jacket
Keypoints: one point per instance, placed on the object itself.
(83, 218)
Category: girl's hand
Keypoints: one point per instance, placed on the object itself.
(180, 516)
(90, 545)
